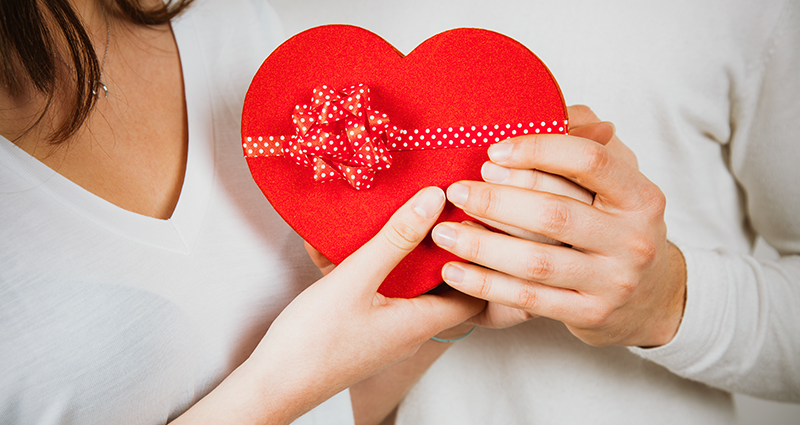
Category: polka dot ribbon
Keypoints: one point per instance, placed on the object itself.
(340, 136)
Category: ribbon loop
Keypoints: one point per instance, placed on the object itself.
(340, 136)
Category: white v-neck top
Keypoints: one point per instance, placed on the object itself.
(108, 316)
(179, 232)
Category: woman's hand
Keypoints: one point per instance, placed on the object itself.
(374, 398)
(340, 330)
(619, 281)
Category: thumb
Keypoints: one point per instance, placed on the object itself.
(583, 122)
(402, 233)
(601, 132)
(580, 115)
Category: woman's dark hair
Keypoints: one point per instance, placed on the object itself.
(31, 32)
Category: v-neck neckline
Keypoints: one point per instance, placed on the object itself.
(178, 232)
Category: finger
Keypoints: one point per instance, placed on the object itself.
(615, 145)
(474, 224)
(531, 180)
(591, 165)
(511, 230)
(551, 265)
(515, 231)
(582, 119)
(585, 123)
(499, 316)
(323, 264)
(600, 132)
(407, 227)
(534, 298)
(435, 313)
(561, 218)
(580, 115)
(534, 180)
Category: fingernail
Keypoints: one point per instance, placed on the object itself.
(494, 173)
(429, 202)
(444, 236)
(452, 274)
(500, 152)
(457, 194)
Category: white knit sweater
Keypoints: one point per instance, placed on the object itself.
(707, 94)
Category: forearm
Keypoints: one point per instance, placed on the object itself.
(242, 398)
(376, 397)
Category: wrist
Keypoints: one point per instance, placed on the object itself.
(678, 301)
(241, 398)
(666, 324)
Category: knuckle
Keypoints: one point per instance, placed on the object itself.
(538, 267)
(402, 236)
(535, 147)
(533, 180)
(487, 202)
(625, 286)
(644, 250)
(527, 298)
(474, 249)
(483, 286)
(597, 159)
(555, 217)
(654, 200)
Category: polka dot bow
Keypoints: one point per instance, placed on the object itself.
(340, 136)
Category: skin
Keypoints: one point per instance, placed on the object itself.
(374, 398)
(132, 153)
(617, 281)
(303, 361)
(340, 331)
(132, 149)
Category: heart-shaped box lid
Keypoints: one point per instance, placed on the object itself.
(462, 82)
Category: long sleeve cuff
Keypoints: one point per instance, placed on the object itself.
(739, 328)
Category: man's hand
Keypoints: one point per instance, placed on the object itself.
(615, 280)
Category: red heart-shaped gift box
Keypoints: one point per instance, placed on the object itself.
(460, 78)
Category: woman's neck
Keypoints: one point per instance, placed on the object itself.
(131, 151)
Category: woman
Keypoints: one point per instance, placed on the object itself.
(140, 265)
